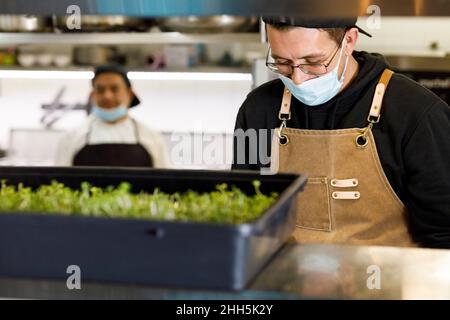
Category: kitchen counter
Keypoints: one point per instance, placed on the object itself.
(298, 271)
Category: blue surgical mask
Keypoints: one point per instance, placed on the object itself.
(109, 115)
(318, 90)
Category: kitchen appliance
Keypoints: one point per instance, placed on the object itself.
(431, 72)
(96, 55)
(25, 23)
(208, 24)
(438, 82)
(160, 253)
(100, 23)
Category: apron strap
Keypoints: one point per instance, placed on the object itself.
(373, 117)
(285, 111)
(375, 109)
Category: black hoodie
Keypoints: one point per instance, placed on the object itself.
(412, 138)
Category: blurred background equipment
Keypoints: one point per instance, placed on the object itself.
(214, 24)
(25, 23)
(98, 23)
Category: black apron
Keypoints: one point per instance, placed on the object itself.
(113, 154)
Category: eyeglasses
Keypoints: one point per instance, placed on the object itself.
(286, 69)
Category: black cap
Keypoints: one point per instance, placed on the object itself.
(117, 69)
(316, 23)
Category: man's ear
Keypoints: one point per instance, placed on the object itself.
(130, 97)
(91, 96)
(90, 102)
(351, 40)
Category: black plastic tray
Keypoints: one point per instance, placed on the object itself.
(168, 254)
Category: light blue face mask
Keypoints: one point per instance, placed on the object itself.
(318, 90)
(109, 115)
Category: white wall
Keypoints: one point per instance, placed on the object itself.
(209, 106)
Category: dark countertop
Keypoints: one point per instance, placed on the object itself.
(298, 271)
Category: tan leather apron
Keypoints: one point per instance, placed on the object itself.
(348, 198)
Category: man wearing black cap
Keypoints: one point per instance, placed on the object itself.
(375, 145)
(110, 137)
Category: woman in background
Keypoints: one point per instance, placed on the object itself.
(110, 137)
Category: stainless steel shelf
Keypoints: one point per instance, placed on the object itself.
(125, 38)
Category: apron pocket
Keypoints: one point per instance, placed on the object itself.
(313, 205)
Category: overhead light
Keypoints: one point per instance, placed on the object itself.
(190, 76)
(133, 75)
(45, 74)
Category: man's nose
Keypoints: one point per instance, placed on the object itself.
(298, 76)
(108, 94)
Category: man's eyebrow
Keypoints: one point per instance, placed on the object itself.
(309, 56)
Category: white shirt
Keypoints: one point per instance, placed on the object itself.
(102, 132)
